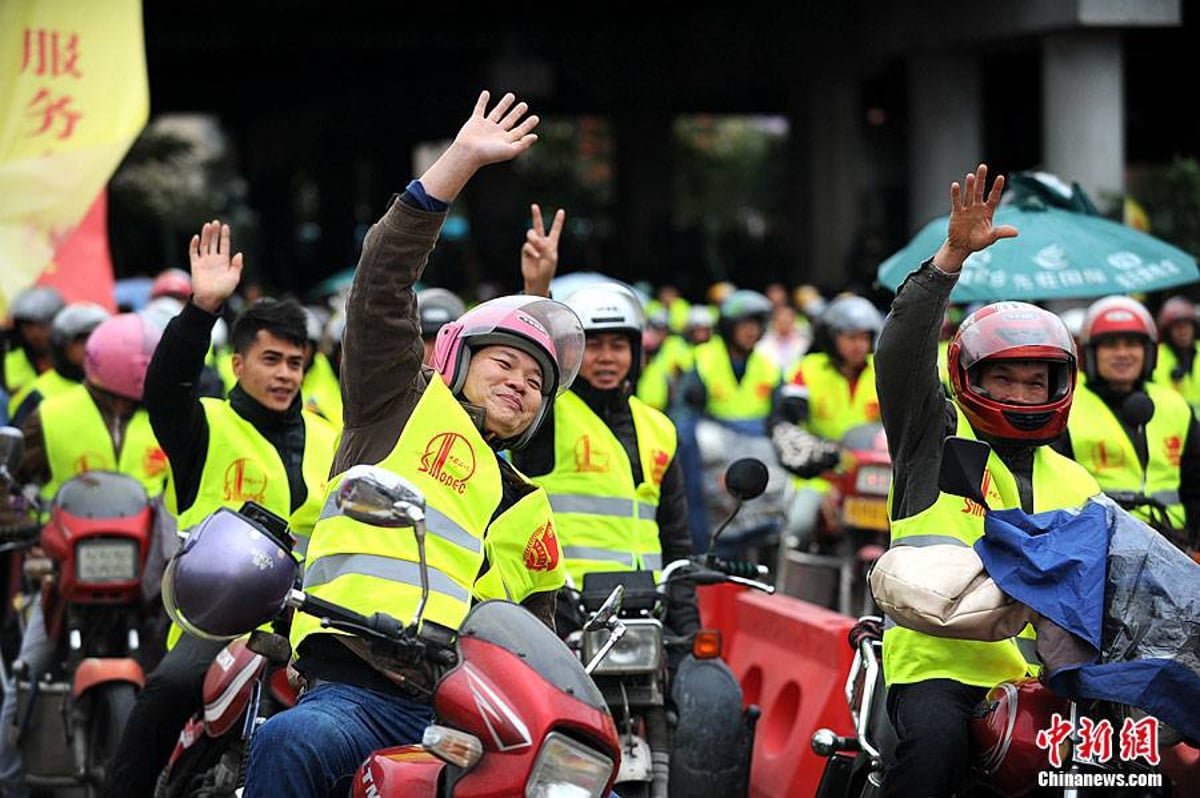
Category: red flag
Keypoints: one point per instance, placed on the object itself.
(82, 270)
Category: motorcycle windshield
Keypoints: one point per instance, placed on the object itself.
(101, 494)
(517, 631)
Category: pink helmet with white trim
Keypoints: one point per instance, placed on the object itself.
(118, 352)
(546, 330)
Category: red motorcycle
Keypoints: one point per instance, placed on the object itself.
(852, 531)
(517, 713)
(72, 709)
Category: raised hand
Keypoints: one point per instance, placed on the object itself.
(487, 137)
(539, 255)
(970, 228)
(215, 275)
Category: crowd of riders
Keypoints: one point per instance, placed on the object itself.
(574, 412)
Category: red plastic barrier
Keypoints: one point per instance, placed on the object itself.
(791, 658)
(717, 611)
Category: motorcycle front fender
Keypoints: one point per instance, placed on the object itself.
(95, 670)
(408, 770)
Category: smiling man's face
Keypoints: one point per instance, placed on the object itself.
(507, 383)
(606, 360)
(270, 371)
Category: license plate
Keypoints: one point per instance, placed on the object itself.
(864, 513)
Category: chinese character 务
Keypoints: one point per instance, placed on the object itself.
(49, 110)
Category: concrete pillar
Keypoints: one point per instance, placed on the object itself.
(832, 171)
(945, 130)
(1083, 111)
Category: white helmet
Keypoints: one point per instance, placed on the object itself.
(608, 307)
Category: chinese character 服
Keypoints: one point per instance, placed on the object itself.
(47, 56)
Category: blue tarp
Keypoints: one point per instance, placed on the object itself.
(1119, 586)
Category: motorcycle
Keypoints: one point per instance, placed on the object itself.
(516, 712)
(245, 684)
(72, 710)
(701, 741)
(851, 533)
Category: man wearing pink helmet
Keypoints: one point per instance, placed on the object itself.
(99, 425)
(1157, 456)
(1012, 376)
(490, 532)
(1178, 365)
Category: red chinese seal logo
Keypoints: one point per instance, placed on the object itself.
(449, 459)
(541, 553)
(245, 481)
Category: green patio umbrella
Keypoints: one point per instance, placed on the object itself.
(1065, 250)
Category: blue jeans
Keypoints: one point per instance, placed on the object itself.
(314, 748)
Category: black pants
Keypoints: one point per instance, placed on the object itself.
(933, 752)
(173, 692)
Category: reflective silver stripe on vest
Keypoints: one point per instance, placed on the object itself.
(436, 523)
(928, 540)
(601, 505)
(301, 546)
(1028, 649)
(591, 553)
(1167, 497)
(327, 569)
(652, 562)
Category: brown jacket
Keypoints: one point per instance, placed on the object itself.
(382, 376)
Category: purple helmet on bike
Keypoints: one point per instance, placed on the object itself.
(229, 577)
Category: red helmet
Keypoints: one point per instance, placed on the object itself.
(1004, 734)
(1177, 308)
(1021, 332)
(175, 283)
(1117, 315)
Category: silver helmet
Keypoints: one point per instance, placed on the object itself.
(608, 307)
(75, 320)
(37, 304)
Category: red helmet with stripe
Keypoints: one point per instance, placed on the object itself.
(1117, 316)
(1013, 331)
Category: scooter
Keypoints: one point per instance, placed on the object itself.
(517, 713)
(852, 530)
(70, 718)
(701, 740)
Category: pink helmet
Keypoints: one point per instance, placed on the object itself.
(118, 352)
(546, 330)
(175, 283)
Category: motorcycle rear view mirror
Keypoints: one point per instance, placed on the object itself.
(376, 496)
(608, 610)
(12, 446)
(964, 462)
(746, 479)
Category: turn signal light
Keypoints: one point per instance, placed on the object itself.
(453, 746)
(706, 644)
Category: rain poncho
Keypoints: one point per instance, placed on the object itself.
(1129, 599)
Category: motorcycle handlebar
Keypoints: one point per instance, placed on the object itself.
(380, 625)
(714, 571)
(1130, 500)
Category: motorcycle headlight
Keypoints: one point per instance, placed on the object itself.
(638, 651)
(873, 480)
(568, 769)
(99, 562)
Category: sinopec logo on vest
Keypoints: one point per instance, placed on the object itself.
(450, 459)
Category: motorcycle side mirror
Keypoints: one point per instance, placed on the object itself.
(12, 447)
(376, 496)
(608, 610)
(964, 462)
(746, 479)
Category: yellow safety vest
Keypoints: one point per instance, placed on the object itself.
(374, 569)
(943, 363)
(911, 656)
(1104, 449)
(728, 399)
(832, 408)
(1188, 385)
(18, 372)
(78, 440)
(47, 384)
(321, 391)
(222, 361)
(241, 465)
(605, 522)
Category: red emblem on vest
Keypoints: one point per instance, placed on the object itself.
(450, 459)
(245, 481)
(1173, 448)
(588, 460)
(660, 460)
(541, 553)
(154, 462)
(91, 461)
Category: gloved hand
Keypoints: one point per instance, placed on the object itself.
(802, 453)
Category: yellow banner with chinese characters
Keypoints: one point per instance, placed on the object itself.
(73, 97)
